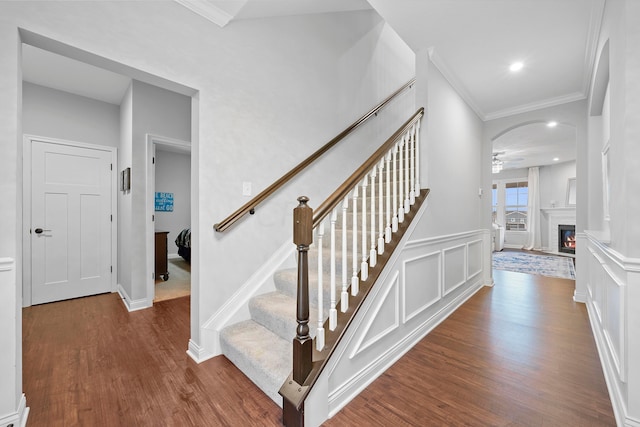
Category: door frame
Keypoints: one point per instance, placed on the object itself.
(27, 140)
(177, 145)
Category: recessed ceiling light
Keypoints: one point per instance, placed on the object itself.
(555, 159)
(552, 124)
(516, 66)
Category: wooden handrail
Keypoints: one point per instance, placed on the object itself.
(250, 206)
(338, 196)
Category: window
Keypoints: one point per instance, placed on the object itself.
(515, 205)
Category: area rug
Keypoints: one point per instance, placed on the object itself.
(544, 265)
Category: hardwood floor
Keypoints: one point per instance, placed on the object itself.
(88, 362)
(518, 354)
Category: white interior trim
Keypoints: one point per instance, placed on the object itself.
(176, 145)
(26, 208)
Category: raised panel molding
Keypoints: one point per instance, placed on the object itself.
(384, 319)
(611, 276)
(451, 281)
(411, 284)
(6, 264)
(474, 258)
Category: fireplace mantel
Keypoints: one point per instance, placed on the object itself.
(556, 217)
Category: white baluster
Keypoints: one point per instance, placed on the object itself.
(387, 230)
(364, 267)
(412, 187)
(406, 172)
(344, 296)
(417, 150)
(354, 278)
(320, 330)
(401, 182)
(394, 161)
(380, 209)
(333, 313)
(373, 255)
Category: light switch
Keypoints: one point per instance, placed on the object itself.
(246, 189)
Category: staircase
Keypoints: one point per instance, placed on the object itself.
(262, 346)
(354, 233)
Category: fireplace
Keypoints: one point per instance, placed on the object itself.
(567, 238)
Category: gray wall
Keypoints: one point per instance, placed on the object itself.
(56, 114)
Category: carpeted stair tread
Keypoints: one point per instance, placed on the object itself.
(260, 354)
(276, 311)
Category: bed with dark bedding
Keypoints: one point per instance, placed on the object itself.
(183, 242)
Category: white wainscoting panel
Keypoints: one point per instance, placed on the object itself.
(455, 267)
(385, 319)
(419, 274)
(474, 258)
(612, 312)
(411, 286)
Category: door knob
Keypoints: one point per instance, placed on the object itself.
(40, 230)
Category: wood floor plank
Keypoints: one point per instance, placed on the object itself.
(518, 354)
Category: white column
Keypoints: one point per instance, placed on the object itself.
(412, 164)
(354, 251)
(380, 208)
(394, 220)
(333, 313)
(320, 329)
(418, 187)
(401, 181)
(344, 296)
(407, 153)
(364, 266)
(387, 230)
(373, 255)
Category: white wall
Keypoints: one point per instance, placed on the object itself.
(124, 197)
(56, 114)
(173, 175)
(451, 128)
(267, 91)
(160, 112)
(553, 183)
(11, 409)
(609, 252)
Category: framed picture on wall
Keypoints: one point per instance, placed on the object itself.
(125, 184)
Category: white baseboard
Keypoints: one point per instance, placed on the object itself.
(133, 305)
(18, 418)
(197, 353)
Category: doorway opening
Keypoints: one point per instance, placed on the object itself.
(169, 231)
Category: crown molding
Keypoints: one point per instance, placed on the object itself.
(453, 81)
(551, 102)
(591, 49)
(207, 10)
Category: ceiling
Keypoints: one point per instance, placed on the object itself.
(536, 144)
(472, 42)
(48, 69)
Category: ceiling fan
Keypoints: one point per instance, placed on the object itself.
(496, 163)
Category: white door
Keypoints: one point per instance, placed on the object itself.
(70, 221)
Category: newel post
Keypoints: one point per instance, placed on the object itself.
(302, 238)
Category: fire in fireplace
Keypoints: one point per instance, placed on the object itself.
(567, 239)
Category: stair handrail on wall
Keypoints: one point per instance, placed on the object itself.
(393, 171)
(251, 205)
